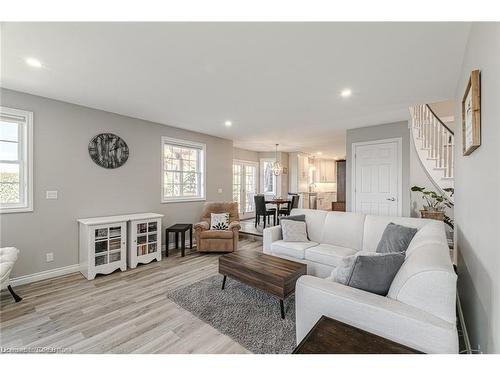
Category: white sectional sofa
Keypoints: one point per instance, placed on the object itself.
(419, 310)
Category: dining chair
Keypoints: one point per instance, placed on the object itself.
(293, 203)
(261, 210)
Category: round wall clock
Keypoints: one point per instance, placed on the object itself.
(108, 150)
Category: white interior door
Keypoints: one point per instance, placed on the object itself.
(377, 177)
(244, 187)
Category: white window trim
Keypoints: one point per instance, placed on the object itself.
(182, 142)
(261, 175)
(27, 206)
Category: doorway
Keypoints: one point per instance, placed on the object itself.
(377, 177)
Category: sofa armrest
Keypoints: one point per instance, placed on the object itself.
(271, 235)
(201, 226)
(380, 315)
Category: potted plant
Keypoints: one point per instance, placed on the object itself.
(436, 204)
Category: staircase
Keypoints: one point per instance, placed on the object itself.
(435, 145)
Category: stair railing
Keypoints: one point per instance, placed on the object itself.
(437, 138)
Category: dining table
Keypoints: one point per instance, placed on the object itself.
(278, 202)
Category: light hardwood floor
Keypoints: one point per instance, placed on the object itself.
(124, 312)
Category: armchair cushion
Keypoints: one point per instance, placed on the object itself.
(214, 234)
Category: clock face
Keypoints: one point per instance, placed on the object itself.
(108, 150)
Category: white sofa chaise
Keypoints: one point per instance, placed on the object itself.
(419, 310)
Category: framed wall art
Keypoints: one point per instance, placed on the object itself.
(471, 114)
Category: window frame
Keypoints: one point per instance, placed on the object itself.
(25, 163)
(202, 164)
(262, 162)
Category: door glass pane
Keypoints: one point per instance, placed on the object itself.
(250, 187)
(9, 183)
(115, 257)
(101, 233)
(152, 226)
(115, 231)
(101, 246)
(115, 244)
(141, 239)
(152, 248)
(101, 259)
(237, 169)
(142, 228)
(152, 238)
(142, 250)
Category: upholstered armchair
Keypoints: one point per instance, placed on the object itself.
(8, 257)
(224, 241)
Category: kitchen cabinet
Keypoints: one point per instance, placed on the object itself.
(324, 170)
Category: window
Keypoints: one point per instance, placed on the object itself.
(16, 160)
(267, 176)
(183, 170)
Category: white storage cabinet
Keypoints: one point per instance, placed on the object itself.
(144, 239)
(103, 246)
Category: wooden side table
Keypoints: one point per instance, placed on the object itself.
(179, 229)
(329, 336)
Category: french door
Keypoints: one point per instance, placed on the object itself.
(244, 187)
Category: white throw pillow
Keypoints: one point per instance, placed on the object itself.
(219, 221)
(294, 231)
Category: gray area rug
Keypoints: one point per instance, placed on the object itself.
(247, 315)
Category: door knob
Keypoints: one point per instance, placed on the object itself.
(391, 199)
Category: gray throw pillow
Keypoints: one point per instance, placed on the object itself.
(294, 231)
(371, 272)
(395, 239)
(296, 218)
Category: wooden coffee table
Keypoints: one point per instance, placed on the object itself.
(329, 336)
(268, 273)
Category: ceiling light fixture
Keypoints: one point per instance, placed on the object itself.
(319, 153)
(277, 167)
(345, 93)
(35, 63)
(228, 124)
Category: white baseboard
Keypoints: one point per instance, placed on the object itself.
(21, 280)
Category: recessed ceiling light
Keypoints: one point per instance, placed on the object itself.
(228, 123)
(35, 63)
(345, 93)
(319, 153)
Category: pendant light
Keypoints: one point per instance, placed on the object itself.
(277, 168)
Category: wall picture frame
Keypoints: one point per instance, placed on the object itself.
(471, 114)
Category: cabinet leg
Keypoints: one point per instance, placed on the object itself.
(282, 308)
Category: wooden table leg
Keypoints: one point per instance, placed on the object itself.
(224, 282)
(183, 243)
(282, 308)
(176, 240)
(191, 236)
(166, 242)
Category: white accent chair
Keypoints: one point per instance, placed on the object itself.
(8, 257)
(419, 310)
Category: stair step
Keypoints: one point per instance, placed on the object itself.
(440, 168)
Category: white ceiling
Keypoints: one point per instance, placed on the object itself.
(277, 82)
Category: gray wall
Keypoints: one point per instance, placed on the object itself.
(61, 162)
(477, 198)
(378, 132)
(246, 155)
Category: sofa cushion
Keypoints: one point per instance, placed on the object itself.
(293, 231)
(344, 229)
(315, 220)
(328, 254)
(291, 249)
(216, 234)
(395, 238)
(375, 226)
